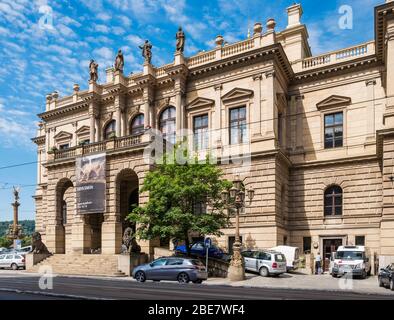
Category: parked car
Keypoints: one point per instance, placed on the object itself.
(24, 250)
(266, 262)
(292, 255)
(198, 249)
(351, 259)
(178, 269)
(386, 277)
(13, 261)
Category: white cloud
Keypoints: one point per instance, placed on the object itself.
(101, 28)
(104, 53)
(104, 16)
(134, 40)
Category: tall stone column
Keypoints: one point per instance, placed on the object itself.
(147, 107)
(388, 117)
(217, 121)
(270, 112)
(81, 235)
(119, 109)
(256, 112)
(299, 124)
(111, 234)
(93, 114)
(180, 117)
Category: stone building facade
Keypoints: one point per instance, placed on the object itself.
(319, 131)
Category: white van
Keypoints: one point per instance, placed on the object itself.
(292, 255)
(351, 259)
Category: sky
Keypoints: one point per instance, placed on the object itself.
(46, 46)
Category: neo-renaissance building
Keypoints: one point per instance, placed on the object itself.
(320, 130)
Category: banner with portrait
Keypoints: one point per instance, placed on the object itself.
(90, 184)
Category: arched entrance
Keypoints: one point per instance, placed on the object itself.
(65, 210)
(127, 191)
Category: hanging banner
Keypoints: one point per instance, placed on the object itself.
(90, 184)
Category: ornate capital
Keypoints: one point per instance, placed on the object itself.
(257, 77)
(270, 74)
(218, 87)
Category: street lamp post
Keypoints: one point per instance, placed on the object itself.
(236, 198)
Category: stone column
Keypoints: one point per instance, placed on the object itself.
(81, 235)
(217, 121)
(270, 112)
(147, 108)
(93, 113)
(300, 123)
(387, 224)
(97, 129)
(179, 105)
(111, 234)
(119, 107)
(388, 117)
(370, 84)
(256, 112)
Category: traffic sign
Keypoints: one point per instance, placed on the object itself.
(208, 242)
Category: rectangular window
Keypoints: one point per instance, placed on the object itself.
(200, 132)
(238, 133)
(64, 146)
(360, 240)
(333, 130)
(307, 244)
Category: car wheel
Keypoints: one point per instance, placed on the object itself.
(264, 272)
(199, 281)
(140, 276)
(364, 275)
(14, 266)
(183, 278)
(381, 284)
(392, 285)
(334, 275)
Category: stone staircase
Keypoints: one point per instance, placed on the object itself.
(86, 264)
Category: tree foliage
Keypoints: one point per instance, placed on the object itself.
(176, 193)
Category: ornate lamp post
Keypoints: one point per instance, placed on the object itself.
(235, 198)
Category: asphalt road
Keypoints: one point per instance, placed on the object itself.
(26, 287)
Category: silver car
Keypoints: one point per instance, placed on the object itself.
(13, 261)
(265, 262)
(182, 270)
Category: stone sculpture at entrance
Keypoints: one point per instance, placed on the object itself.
(38, 246)
(130, 244)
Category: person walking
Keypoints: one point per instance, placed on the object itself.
(318, 263)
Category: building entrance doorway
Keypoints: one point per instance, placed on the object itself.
(329, 246)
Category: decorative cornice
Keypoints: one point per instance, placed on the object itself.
(39, 140)
(237, 93)
(63, 135)
(333, 101)
(199, 103)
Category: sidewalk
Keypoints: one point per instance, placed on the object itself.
(307, 282)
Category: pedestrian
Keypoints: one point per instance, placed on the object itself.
(318, 263)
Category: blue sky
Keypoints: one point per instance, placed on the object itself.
(35, 61)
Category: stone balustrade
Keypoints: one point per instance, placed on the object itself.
(108, 145)
(337, 56)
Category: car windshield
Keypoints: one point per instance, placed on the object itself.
(280, 258)
(350, 255)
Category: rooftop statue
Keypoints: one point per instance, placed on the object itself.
(180, 40)
(119, 61)
(93, 70)
(147, 51)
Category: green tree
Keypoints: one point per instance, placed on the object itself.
(5, 242)
(177, 193)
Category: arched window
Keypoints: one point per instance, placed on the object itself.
(110, 130)
(333, 201)
(137, 125)
(167, 124)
